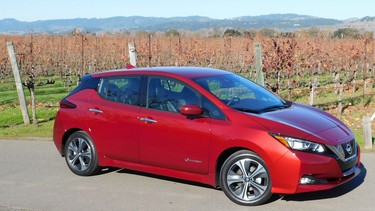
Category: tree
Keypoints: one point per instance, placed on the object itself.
(172, 33)
(268, 33)
(250, 34)
(215, 32)
(232, 33)
(310, 32)
(346, 33)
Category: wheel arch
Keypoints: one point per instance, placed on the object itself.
(222, 158)
(251, 146)
(66, 136)
(260, 192)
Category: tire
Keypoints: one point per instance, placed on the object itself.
(80, 154)
(250, 188)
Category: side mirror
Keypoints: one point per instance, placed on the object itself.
(191, 109)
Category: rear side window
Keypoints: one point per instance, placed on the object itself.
(87, 82)
(122, 89)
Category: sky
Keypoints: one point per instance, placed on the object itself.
(33, 10)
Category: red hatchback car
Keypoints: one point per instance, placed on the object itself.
(204, 125)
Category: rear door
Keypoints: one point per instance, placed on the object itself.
(114, 117)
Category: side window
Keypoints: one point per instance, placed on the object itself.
(122, 89)
(212, 110)
(169, 94)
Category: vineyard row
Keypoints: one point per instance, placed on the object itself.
(288, 62)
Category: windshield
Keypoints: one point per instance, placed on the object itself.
(242, 94)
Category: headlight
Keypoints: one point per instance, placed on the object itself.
(299, 144)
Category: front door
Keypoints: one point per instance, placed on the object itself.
(169, 139)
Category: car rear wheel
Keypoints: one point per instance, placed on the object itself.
(80, 154)
(245, 178)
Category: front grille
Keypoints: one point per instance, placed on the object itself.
(350, 149)
(346, 165)
(345, 151)
(346, 154)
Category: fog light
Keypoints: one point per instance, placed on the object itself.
(307, 180)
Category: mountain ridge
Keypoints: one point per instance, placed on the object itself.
(281, 22)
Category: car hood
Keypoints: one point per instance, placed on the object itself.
(302, 117)
(303, 121)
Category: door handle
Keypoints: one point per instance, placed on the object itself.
(147, 120)
(94, 110)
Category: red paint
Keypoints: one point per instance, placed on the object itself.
(174, 145)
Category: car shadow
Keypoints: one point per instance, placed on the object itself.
(331, 193)
(106, 170)
(310, 196)
(155, 176)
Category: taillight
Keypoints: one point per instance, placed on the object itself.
(64, 103)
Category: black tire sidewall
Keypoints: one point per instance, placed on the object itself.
(93, 166)
(242, 154)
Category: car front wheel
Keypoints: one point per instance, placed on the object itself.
(245, 178)
(80, 154)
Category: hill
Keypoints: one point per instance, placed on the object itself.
(367, 24)
(281, 22)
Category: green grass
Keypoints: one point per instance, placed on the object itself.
(48, 94)
(47, 98)
(13, 116)
(10, 117)
(43, 129)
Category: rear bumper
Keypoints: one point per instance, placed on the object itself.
(58, 133)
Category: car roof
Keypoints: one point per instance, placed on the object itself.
(188, 72)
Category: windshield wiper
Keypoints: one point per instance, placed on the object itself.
(247, 110)
(266, 109)
(274, 107)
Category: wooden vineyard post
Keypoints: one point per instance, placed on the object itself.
(278, 81)
(340, 99)
(354, 82)
(313, 85)
(366, 123)
(149, 49)
(336, 81)
(258, 64)
(312, 90)
(132, 54)
(17, 78)
(364, 87)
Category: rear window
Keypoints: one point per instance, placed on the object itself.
(87, 82)
(122, 89)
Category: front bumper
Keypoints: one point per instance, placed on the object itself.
(329, 183)
(323, 172)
